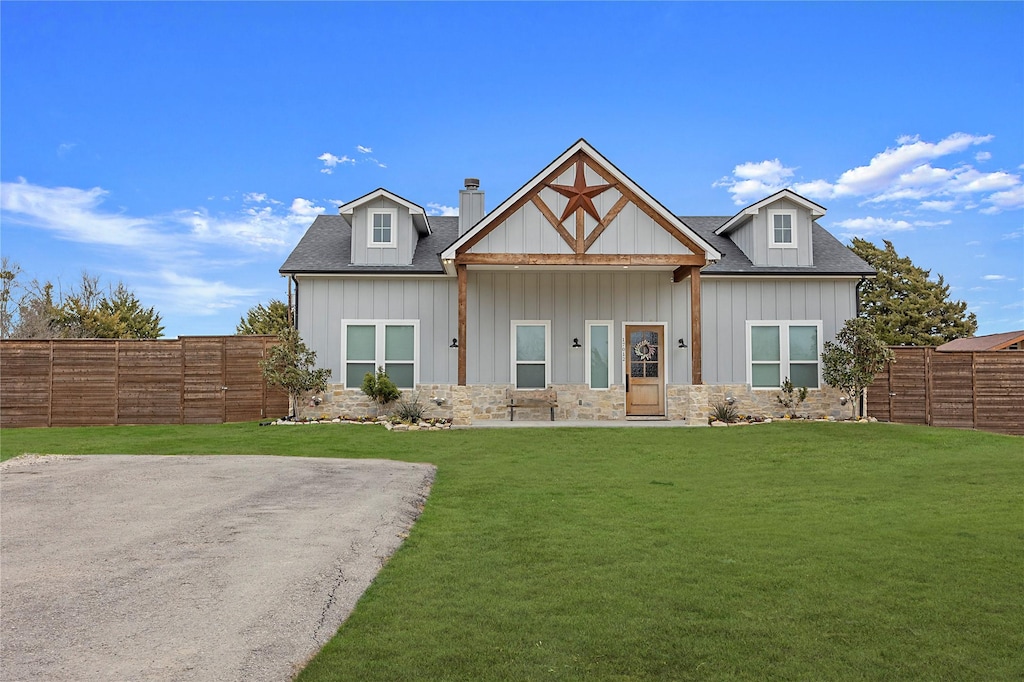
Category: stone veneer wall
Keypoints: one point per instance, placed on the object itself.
(483, 402)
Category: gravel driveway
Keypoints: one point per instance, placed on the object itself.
(189, 568)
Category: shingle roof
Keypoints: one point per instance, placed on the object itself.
(987, 342)
(831, 257)
(327, 248)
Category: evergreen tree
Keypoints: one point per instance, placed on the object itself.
(904, 305)
(272, 319)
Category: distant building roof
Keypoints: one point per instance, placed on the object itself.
(987, 342)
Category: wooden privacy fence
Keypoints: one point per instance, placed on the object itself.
(963, 389)
(191, 380)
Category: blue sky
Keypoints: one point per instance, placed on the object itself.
(184, 148)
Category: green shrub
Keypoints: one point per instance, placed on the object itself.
(380, 389)
(409, 408)
(724, 412)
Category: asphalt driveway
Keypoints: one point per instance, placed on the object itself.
(189, 568)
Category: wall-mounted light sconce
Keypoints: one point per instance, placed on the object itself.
(576, 343)
(843, 400)
(682, 343)
(730, 400)
(455, 343)
(438, 401)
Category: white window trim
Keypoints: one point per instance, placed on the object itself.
(378, 338)
(771, 228)
(370, 243)
(547, 352)
(611, 360)
(784, 361)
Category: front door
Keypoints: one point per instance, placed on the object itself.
(645, 370)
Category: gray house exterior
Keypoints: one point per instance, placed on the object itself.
(581, 282)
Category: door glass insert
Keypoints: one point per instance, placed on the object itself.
(643, 354)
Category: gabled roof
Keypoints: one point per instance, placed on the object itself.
(816, 210)
(831, 256)
(326, 248)
(419, 216)
(987, 342)
(498, 214)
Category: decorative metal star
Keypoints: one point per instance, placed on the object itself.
(579, 194)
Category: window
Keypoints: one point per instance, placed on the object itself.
(599, 368)
(776, 350)
(391, 344)
(382, 227)
(782, 225)
(531, 351)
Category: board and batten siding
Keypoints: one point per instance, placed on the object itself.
(569, 300)
(325, 301)
(528, 231)
(406, 235)
(753, 238)
(727, 304)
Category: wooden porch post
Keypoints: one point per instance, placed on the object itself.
(460, 271)
(695, 330)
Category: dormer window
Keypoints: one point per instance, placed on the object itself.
(382, 227)
(781, 226)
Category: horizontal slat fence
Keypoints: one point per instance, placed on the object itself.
(962, 389)
(190, 380)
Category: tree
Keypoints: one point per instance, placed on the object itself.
(271, 319)
(31, 311)
(851, 363)
(290, 365)
(904, 305)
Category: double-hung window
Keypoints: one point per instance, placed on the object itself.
(782, 228)
(382, 227)
(599, 367)
(531, 353)
(391, 344)
(780, 349)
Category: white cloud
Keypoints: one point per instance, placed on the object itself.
(982, 156)
(363, 150)
(330, 161)
(755, 180)
(905, 172)
(172, 291)
(861, 227)
(254, 197)
(973, 242)
(1007, 200)
(1016, 234)
(932, 223)
(994, 278)
(940, 206)
(434, 208)
(64, 148)
(75, 215)
(886, 167)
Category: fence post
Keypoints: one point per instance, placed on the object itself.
(928, 386)
(49, 390)
(974, 391)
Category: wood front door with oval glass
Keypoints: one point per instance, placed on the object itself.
(645, 371)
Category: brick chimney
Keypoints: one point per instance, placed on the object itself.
(471, 205)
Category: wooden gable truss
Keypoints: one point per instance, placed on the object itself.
(580, 204)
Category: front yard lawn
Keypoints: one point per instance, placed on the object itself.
(783, 551)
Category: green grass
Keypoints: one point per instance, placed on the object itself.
(784, 551)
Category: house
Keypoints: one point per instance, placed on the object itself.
(580, 281)
(1004, 341)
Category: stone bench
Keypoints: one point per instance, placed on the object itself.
(547, 397)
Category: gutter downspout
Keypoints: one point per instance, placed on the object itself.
(862, 398)
(293, 308)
